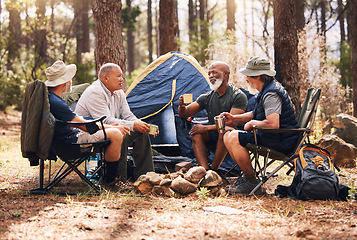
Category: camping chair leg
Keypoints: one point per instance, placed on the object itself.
(92, 185)
(60, 174)
(40, 189)
(70, 167)
(265, 179)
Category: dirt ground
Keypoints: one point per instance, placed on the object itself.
(114, 215)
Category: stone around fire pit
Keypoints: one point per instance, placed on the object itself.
(211, 179)
(195, 174)
(183, 186)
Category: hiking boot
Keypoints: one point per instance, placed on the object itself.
(112, 185)
(243, 186)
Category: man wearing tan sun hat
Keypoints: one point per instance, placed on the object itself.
(59, 80)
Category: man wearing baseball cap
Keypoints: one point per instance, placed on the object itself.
(59, 80)
(273, 109)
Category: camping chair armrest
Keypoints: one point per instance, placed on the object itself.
(279, 130)
(91, 126)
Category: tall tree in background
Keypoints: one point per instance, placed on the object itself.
(345, 54)
(353, 40)
(231, 15)
(81, 29)
(40, 36)
(109, 45)
(150, 30)
(191, 20)
(300, 27)
(286, 49)
(129, 15)
(323, 29)
(167, 27)
(130, 39)
(13, 42)
(204, 33)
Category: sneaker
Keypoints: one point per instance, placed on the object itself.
(244, 187)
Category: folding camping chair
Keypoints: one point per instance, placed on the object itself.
(305, 119)
(73, 155)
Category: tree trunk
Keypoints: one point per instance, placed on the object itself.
(345, 57)
(191, 20)
(253, 27)
(203, 41)
(109, 45)
(323, 28)
(286, 49)
(245, 24)
(231, 15)
(40, 34)
(81, 8)
(341, 19)
(167, 27)
(353, 22)
(52, 23)
(13, 43)
(299, 17)
(150, 31)
(130, 42)
(300, 27)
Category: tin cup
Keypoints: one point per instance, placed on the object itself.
(153, 129)
(187, 98)
(220, 123)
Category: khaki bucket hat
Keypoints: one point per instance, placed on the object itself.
(59, 73)
(257, 66)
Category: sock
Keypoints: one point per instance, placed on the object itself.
(251, 178)
(111, 171)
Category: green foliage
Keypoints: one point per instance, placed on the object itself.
(129, 17)
(10, 91)
(130, 78)
(203, 193)
(85, 73)
(345, 65)
(199, 42)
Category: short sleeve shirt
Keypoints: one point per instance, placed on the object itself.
(61, 111)
(272, 103)
(215, 104)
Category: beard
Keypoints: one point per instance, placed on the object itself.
(68, 88)
(252, 90)
(217, 83)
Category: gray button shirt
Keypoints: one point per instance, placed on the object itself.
(97, 101)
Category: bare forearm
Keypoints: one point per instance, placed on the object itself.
(242, 118)
(183, 111)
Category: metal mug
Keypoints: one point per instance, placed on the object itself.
(220, 123)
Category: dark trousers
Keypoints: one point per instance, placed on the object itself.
(141, 152)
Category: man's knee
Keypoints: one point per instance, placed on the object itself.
(230, 138)
(197, 138)
(115, 135)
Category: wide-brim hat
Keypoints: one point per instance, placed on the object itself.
(59, 73)
(257, 66)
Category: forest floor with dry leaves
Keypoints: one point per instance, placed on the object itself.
(114, 215)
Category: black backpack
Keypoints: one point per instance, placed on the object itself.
(315, 177)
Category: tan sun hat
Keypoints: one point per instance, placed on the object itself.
(59, 73)
(257, 66)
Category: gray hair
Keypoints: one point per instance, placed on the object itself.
(105, 68)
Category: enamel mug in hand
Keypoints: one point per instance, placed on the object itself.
(153, 129)
(187, 98)
(220, 124)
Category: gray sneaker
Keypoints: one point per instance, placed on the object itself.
(244, 187)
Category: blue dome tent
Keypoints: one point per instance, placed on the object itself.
(153, 97)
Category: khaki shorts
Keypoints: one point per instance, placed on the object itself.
(85, 137)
